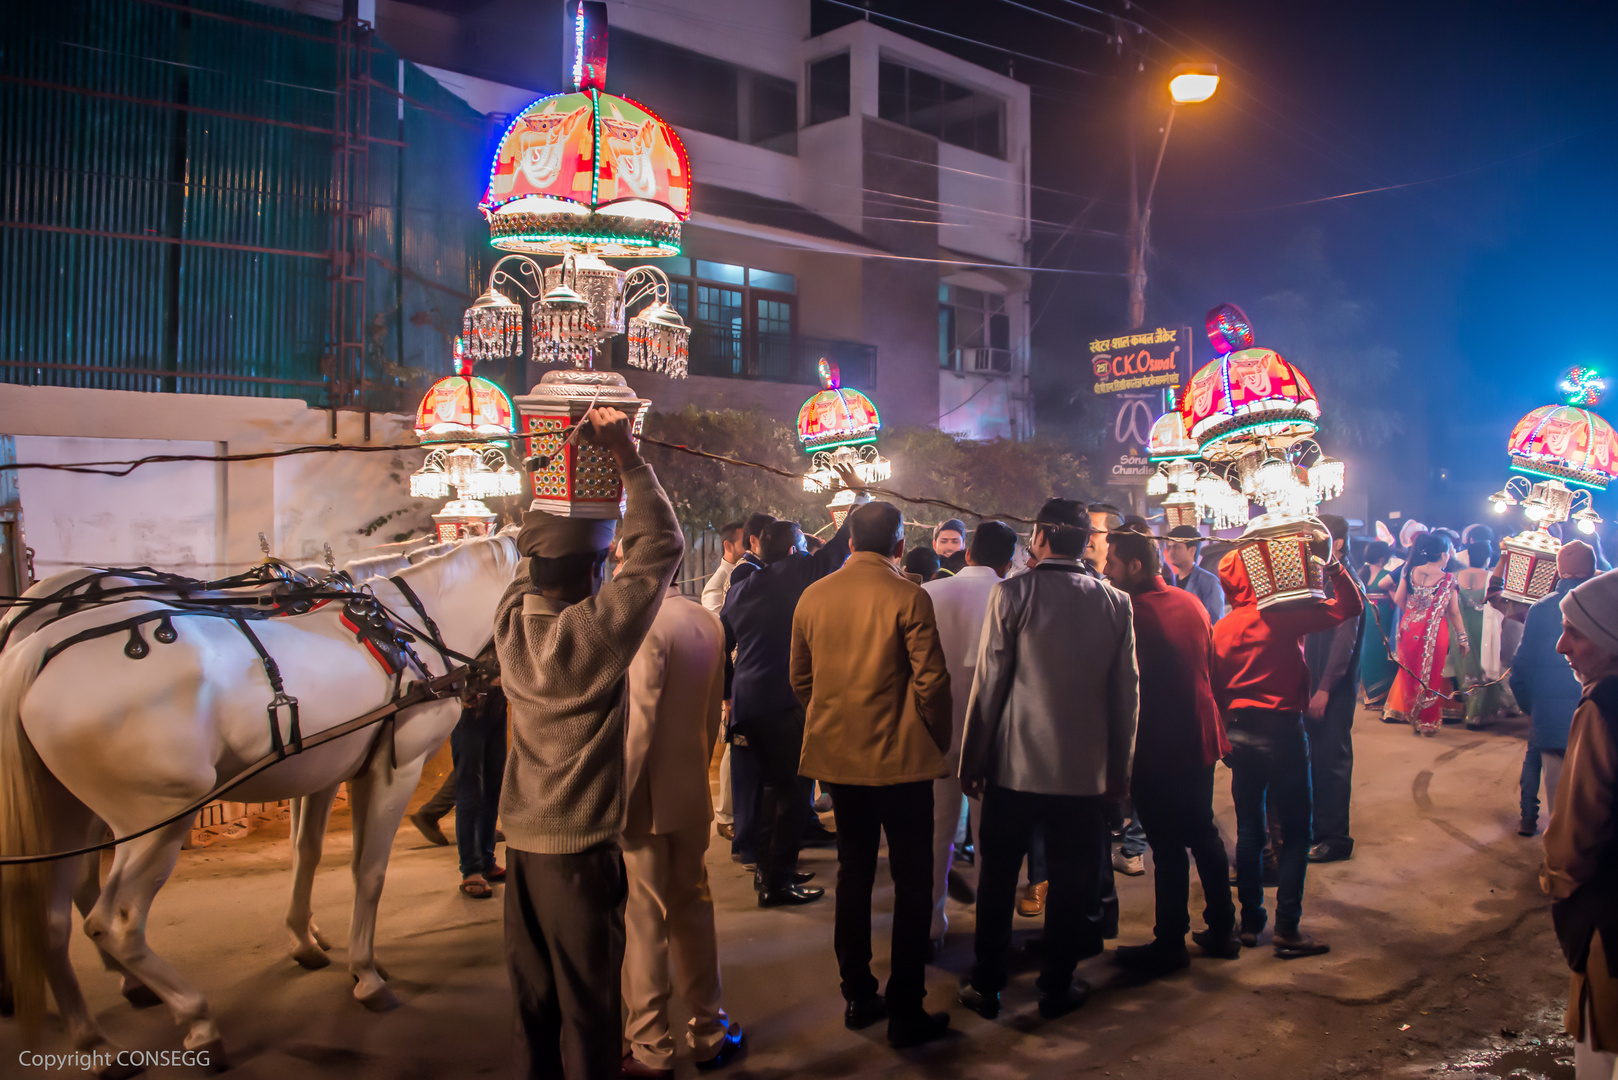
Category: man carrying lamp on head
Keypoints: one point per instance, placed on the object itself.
(566, 638)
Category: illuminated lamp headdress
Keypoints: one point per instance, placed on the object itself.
(838, 426)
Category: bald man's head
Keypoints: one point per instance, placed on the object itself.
(1576, 560)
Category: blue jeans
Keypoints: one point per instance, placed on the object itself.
(478, 747)
(1270, 756)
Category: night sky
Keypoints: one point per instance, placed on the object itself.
(1431, 317)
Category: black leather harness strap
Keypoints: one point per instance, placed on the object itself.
(281, 698)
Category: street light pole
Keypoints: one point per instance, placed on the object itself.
(1142, 234)
(1188, 84)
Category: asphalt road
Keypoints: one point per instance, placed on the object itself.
(1440, 942)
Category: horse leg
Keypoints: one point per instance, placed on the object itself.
(378, 797)
(86, 891)
(117, 924)
(310, 815)
(67, 887)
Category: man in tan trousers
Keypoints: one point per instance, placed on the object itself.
(676, 688)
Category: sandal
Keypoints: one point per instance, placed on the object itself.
(476, 887)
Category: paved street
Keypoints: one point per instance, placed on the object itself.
(1440, 939)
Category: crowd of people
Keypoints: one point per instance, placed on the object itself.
(1048, 705)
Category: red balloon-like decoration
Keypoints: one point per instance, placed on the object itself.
(1229, 329)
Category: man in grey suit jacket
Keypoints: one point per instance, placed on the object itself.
(1050, 731)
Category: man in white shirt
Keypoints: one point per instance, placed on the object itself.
(732, 547)
(959, 605)
(713, 593)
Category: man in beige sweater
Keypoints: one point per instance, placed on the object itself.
(868, 667)
(565, 641)
(676, 689)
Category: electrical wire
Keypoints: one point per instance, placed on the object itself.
(1058, 18)
(125, 467)
(970, 41)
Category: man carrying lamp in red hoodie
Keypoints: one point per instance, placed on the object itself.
(1262, 682)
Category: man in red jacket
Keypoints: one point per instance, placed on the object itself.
(1179, 739)
(1262, 683)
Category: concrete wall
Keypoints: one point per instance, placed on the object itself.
(196, 517)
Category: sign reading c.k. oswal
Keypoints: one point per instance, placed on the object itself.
(1157, 359)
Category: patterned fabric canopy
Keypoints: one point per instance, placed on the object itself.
(1567, 443)
(1245, 397)
(1168, 441)
(464, 406)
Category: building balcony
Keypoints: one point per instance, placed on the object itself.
(982, 361)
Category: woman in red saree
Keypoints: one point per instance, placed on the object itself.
(1431, 613)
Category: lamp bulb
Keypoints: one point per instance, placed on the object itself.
(1587, 527)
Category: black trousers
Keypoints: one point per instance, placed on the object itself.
(565, 950)
(1176, 810)
(905, 813)
(785, 798)
(1075, 844)
(1331, 766)
(1269, 759)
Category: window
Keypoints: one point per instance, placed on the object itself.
(742, 321)
(828, 89)
(704, 94)
(948, 111)
(974, 330)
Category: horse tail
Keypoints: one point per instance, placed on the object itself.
(25, 888)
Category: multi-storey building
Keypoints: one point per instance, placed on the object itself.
(858, 194)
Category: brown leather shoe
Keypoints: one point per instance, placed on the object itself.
(1031, 904)
(727, 832)
(632, 1067)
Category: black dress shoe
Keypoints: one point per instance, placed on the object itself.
(799, 877)
(917, 1028)
(864, 1012)
(1325, 852)
(1527, 828)
(1222, 946)
(1153, 960)
(790, 896)
(1052, 1006)
(986, 1005)
(734, 1038)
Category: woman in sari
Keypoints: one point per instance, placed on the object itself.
(1472, 586)
(1430, 613)
(1382, 623)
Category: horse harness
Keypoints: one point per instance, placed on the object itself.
(374, 627)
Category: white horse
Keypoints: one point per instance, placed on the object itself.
(95, 740)
(20, 620)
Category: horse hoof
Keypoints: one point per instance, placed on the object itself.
(320, 939)
(310, 958)
(379, 1000)
(218, 1060)
(141, 996)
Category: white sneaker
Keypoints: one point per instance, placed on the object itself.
(1132, 865)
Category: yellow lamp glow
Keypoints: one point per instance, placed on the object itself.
(1193, 83)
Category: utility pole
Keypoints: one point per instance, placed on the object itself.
(1137, 240)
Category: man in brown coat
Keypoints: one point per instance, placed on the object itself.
(867, 664)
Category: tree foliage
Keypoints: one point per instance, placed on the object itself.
(994, 477)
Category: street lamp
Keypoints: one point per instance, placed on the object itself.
(1189, 84)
